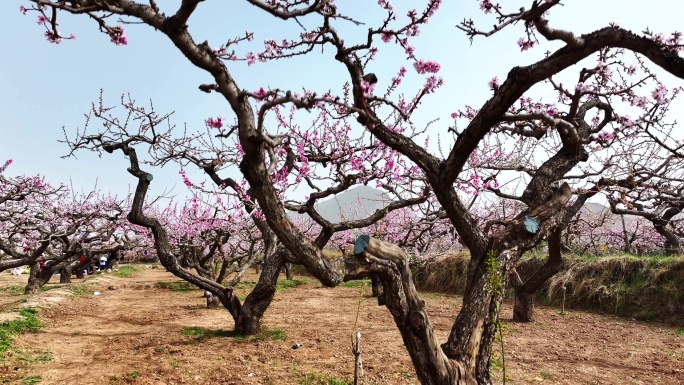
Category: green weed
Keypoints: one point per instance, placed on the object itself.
(177, 286)
(79, 290)
(30, 380)
(315, 378)
(126, 271)
(265, 335)
(202, 333)
(43, 358)
(9, 329)
(13, 289)
(245, 285)
(270, 335)
(45, 288)
(289, 283)
(357, 284)
(133, 375)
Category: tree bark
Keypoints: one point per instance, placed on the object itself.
(470, 333)
(37, 278)
(484, 357)
(625, 235)
(536, 277)
(112, 259)
(288, 271)
(431, 364)
(65, 274)
(523, 310)
(672, 243)
(376, 289)
(213, 301)
(253, 308)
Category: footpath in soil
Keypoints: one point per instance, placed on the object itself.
(142, 334)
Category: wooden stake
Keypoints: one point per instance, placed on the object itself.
(563, 306)
(358, 365)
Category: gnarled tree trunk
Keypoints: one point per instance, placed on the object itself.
(532, 277)
(455, 365)
(38, 276)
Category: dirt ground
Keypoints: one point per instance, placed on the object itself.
(139, 333)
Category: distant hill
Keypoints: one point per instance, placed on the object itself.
(352, 204)
(360, 201)
(595, 208)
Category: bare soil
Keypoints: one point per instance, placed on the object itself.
(138, 334)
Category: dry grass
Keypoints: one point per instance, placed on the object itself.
(444, 275)
(645, 288)
(642, 287)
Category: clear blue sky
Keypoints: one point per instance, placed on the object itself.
(47, 86)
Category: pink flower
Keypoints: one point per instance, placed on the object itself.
(639, 101)
(53, 37)
(251, 58)
(214, 123)
(581, 87)
(260, 92)
(118, 36)
(386, 37)
(494, 83)
(423, 67)
(431, 84)
(22, 9)
(454, 115)
(487, 6)
(604, 137)
(367, 89)
(386, 5)
(659, 94)
(525, 44)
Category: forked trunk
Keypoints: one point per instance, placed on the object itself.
(531, 279)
